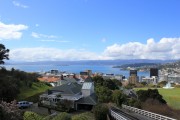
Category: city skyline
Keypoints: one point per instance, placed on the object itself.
(90, 29)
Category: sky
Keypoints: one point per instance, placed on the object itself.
(60, 30)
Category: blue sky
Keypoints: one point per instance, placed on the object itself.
(38, 30)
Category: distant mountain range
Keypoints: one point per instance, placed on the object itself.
(91, 62)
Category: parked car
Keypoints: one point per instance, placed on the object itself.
(24, 104)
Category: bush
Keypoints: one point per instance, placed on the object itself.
(63, 116)
(177, 86)
(134, 103)
(79, 117)
(32, 116)
(162, 83)
(100, 112)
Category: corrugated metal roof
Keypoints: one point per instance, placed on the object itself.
(87, 85)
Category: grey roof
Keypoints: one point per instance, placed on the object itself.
(68, 88)
(63, 82)
(70, 79)
(88, 79)
(66, 80)
(89, 100)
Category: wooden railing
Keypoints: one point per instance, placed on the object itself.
(147, 113)
(116, 116)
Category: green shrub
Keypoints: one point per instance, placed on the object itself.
(62, 116)
(118, 97)
(80, 117)
(100, 112)
(32, 116)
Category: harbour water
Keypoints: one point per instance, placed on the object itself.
(74, 69)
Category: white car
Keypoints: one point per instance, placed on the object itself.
(24, 104)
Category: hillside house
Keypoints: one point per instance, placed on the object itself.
(82, 96)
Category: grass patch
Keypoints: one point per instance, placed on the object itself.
(37, 88)
(172, 96)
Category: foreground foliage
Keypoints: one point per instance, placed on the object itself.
(10, 111)
(100, 112)
(84, 116)
(34, 116)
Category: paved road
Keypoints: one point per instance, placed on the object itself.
(39, 110)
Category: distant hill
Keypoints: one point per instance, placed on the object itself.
(90, 62)
(175, 64)
(137, 65)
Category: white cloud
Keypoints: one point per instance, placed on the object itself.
(45, 54)
(18, 4)
(166, 48)
(11, 31)
(37, 35)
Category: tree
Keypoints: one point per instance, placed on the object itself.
(100, 112)
(117, 82)
(134, 103)
(118, 97)
(10, 111)
(144, 83)
(64, 105)
(8, 88)
(143, 95)
(3, 53)
(98, 80)
(110, 84)
(103, 93)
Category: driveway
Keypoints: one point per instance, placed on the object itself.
(40, 110)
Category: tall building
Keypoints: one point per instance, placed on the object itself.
(133, 72)
(153, 72)
(133, 78)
